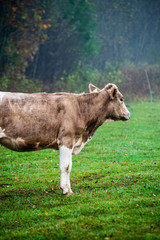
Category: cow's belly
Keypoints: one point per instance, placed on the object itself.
(26, 144)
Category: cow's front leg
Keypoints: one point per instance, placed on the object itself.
(65, 163)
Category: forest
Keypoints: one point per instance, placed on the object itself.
(50, 45)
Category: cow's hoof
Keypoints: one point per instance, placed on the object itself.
(69, 193)
(66, 191)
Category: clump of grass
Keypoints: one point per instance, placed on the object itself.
(115, 180)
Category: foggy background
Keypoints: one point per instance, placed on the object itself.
(57, 45)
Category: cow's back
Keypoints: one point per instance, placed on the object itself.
(24, 114)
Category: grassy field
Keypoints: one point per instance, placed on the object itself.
(115, 179)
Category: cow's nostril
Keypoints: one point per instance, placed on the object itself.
(126, 117)
(129, 115)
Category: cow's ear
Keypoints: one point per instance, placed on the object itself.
(93, 89)
(112, 90)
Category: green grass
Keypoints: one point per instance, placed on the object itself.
(115, 179)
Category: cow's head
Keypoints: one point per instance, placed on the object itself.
(116, 108)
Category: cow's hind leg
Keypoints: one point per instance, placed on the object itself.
(13, 144)
(65, 157)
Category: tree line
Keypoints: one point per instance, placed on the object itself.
(62, 45)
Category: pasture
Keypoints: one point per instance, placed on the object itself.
(115, 180)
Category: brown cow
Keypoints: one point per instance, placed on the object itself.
(63, 121)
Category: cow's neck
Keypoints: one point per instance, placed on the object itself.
(94, 110)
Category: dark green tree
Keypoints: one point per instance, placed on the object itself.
(71, 39)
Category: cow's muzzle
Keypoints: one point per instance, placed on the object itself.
(126, 117)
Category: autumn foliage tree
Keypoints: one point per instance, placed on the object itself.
(22, 31)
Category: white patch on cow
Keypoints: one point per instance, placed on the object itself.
(109, 120)
(65, 163)
(1, 96)
(80, 145)
(2, 134)
(77, 149)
